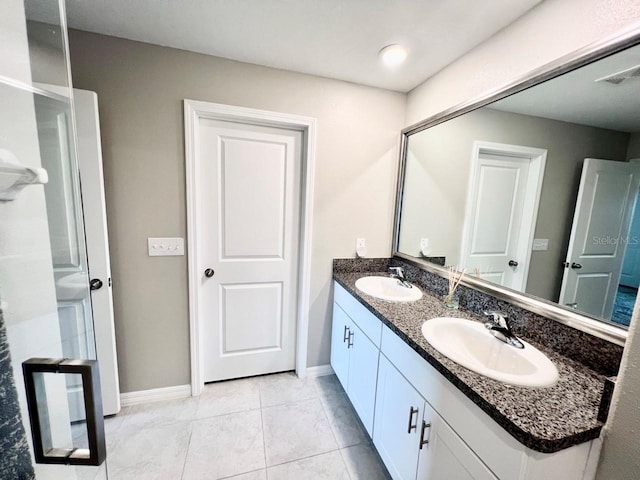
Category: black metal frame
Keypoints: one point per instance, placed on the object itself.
(88, 369)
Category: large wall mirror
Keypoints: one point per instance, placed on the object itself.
(536, 192)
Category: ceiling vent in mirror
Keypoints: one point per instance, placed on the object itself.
(618, 78)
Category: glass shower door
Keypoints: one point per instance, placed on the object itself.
(45, 302)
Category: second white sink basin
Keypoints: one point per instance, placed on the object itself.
(471, 345)
(387, 288)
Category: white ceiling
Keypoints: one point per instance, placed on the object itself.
(331, 38)
(575, 97)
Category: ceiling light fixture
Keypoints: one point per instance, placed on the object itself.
(393, 55)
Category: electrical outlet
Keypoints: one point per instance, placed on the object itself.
(165, 246)
(361, 247)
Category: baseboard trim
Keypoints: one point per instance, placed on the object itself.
(155, 395)
(319, 371)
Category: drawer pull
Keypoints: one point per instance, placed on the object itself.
(423, 442)
(345, 336)
(412, 426)
(350, 342)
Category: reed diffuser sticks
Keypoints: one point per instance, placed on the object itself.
(455, 277)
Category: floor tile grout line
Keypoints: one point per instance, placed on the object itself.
(245, 473)
(264, 440)
(186, 455)
(264, 444)
(303, 458)
(195, 419)
(290, 402)
(345, 462)
(326, 415)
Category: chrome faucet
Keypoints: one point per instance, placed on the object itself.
(500, 328)
(398, 273)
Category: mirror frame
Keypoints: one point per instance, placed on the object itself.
(610, 45)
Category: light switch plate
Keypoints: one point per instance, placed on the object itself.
(165, 246)
(540, 244)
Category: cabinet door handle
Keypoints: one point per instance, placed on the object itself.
(345, 336)
(423, 442)
(412, 426)
(350, 342)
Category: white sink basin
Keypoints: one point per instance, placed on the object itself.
(471, 345)
(74, 286)
(387, 288)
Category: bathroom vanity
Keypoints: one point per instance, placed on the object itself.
(430, 418)
(489, 187)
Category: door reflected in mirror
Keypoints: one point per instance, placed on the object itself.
(537, 192)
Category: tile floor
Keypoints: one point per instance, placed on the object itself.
(274, 427)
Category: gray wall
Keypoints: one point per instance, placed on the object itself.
(634, 146)
(446, 148)
(140, 91)
(555, 27)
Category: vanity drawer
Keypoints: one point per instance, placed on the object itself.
(370, 325)
(503, 454)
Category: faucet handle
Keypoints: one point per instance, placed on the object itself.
(498, 318)
(397, 271)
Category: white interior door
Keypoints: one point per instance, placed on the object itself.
(630, 276)
(494, 221)
(97, 240)
(67, 237)
(248, 191)
(599, 235)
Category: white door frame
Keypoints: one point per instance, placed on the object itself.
(537, 164)
(193, 111)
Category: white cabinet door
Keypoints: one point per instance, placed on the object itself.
(443, 454)
(398, 413)
(363, 362)
(339, 351)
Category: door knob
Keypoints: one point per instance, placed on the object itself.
(95, 284)
(513, 263)
(575, 265)
(209, 272)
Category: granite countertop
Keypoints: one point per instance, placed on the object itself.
(544, 419)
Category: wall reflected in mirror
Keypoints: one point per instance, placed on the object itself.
(506, 191)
